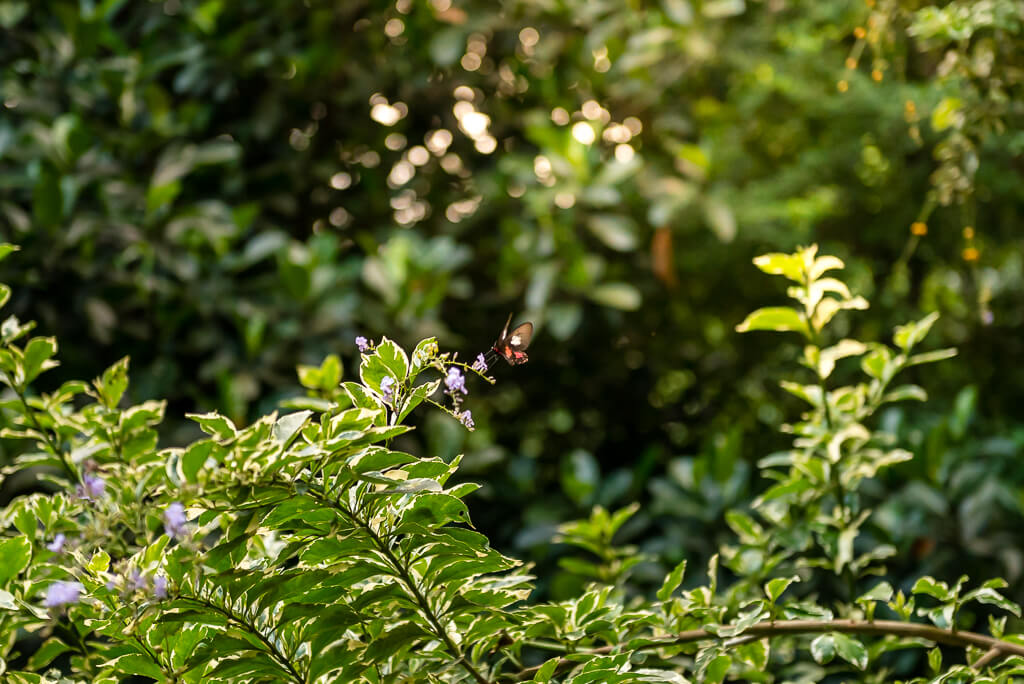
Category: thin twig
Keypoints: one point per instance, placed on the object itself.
(996, 647)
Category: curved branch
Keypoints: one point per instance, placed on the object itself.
(995, 648)
(272, 649)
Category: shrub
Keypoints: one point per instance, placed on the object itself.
(303, 548)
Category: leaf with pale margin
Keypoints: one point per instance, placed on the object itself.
(775, 587)
(880, 592)
(790, 266)
(775, 318)
(214, 424)
(932, 587)
(394, 358)
(851, 650)
(672, 581)
(992, 597)
(823, 649)
(908, 335)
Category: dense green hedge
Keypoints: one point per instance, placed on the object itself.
(224, 190)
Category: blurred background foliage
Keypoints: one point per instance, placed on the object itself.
(226, 190)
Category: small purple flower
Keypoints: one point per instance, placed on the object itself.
(466, 418)
(480, 365)
(387, 388)
(174, 520)
(160, 586)
(92, 488)
(362, 343)
(62, 593)
(57, 545)
(456, 381)
(136, 581)
(111, 583)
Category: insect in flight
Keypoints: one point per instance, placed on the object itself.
(511, 346)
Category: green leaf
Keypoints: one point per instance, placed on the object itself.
(37, 356)
(851, 650)
(777, 318)
(99, 562)
(932, 587)
(136, 664)
(755, 653)
(6, 249)
(717, 669)
(214, 425)
(672, 581)
(394, 359)
(947, 114)
(823, 649)
(809, 393)
(935, 660)
(372, 370)
(416, 397)
(823, 264)
(7, 601)
(547, 671)
(880, 592)
(112, 384)
(310, 377)
(194, 458)
(398, 638)
(992, 597)
(787, 488)
(775, 587)
(434, 509)
(616, 232)
(617, 296)
(330, 372)
(745, 527)
(5, 294)
(15, 553)
(906, 336)
(841, 350)
(378, 459)
(931, 357)
(789, 265)
(44, 655)
(289, 425)
(905, 393)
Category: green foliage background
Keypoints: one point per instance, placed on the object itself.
(204, 185)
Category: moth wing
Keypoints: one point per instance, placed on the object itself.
(504, 331)
(524, 332)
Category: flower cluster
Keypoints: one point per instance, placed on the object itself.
(93, 487)
(362, 344)
(455, 381)
(57, 545)
(137, 581)
(174, 520)
(480, 365)
(387, 389)
(62, 593)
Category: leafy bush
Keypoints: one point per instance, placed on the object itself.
(304, 548)
(223, 190)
